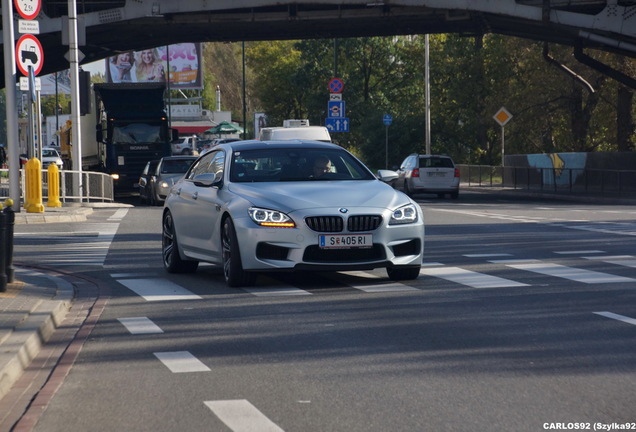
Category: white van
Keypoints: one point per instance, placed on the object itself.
(295, 129)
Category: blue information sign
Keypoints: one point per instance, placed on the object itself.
(387, 119)
(336, 109)
(337, 124)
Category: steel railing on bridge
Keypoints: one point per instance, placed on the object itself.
(96, 186)
(556, 180)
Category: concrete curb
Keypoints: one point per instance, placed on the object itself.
(25, 341)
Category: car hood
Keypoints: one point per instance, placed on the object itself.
(289, 196)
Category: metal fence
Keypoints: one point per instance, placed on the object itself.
(96, 186)
(557, 180)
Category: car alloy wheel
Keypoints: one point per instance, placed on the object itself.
(233, 271)
(172, 261)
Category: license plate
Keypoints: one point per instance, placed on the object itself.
(437, 174)
(345, 241)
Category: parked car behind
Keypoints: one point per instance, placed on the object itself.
(253, 206)
(159, 175)
(432, 174)
(51, 156)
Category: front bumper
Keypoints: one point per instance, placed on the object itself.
(276, 249)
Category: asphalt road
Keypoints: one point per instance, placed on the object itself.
(523, 319)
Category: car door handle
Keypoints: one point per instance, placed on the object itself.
(195, 195)
(178, 191)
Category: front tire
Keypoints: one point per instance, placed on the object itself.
(172, 261)
(233, 271)
(402, 273)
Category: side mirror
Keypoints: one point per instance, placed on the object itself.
(209, 179)
(387, 176)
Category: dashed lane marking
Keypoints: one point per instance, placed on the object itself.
(242, 416)
(181, 362)
(140, 325)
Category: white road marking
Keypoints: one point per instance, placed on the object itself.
(132, 275)
(156, 289)
(622, 318)
(621, 260)
(181, 362)
(491, 255)
(140, 325)
(242, 416)
(119, 214)
(276, 291)
(470, 278)
(581, 252)
(374, 286)
(571, 273)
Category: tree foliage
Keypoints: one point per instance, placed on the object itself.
(470, 79)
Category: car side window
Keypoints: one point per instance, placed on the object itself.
(201, 165)
(217, 164)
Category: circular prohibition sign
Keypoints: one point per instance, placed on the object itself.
(336, 85)
(28, 9)
(29, 50)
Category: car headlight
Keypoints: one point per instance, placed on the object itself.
(404, 215)
(164, 185)
(270, 218)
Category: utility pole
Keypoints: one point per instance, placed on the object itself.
(78, 189)
(13, 151)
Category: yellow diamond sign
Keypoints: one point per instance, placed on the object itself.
(503, 116)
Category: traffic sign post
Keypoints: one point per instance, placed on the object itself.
(502, 117)
(336, 120)
(387, 120)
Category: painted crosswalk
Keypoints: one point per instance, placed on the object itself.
(88, 245)
(160, 289)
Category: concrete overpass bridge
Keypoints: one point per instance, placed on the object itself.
(113, 26)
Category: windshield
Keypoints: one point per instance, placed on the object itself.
(50, 153)
(176, 166)
(296, 164)
(137, 133)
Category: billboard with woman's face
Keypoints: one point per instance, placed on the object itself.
(180, 63)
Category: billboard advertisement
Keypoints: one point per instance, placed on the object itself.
(180, 63)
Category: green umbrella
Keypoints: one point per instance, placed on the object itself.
(224, 128)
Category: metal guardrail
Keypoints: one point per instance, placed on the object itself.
(97, 187)
(556, 180)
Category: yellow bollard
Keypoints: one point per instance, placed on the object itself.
(53, 173)
(33, 178)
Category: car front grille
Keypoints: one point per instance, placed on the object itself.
(325, 223)
(363, 223)
(356, 223)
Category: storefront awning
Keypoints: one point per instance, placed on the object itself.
(190, 130)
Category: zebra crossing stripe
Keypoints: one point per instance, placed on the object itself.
(622, 318)
(181, 362)
(140, 325)
(470, 278)
(157, 289)
(242, 416)
(276, 291)
(571, 273)
(621, 260)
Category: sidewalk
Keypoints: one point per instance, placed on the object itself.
(30, 310)
(37, 302)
